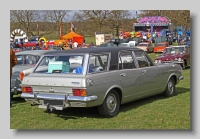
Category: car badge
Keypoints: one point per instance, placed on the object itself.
(75, 82)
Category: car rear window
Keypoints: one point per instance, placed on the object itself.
(67, 64)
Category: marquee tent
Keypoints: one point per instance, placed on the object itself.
(74, 36)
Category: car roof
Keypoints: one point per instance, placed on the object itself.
(33, 52)
(92, 50)
(113, 50)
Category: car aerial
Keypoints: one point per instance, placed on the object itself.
(102, 77)
(146, 46)
(159, 47)
(26, 62)
(175, 54)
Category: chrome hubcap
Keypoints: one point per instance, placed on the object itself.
(111, 103)
(170, 87)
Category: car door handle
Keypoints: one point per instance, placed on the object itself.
(123, 74)
(144, 71)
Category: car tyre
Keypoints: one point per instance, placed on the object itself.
(170, 88)
(183, 65)
(110, 105)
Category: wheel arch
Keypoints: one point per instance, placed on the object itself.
(174, 76)
(118, 89)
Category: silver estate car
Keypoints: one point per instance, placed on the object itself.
(26, 61)
(103, 77)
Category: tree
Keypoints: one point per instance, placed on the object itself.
(57, 16)
(24, 18)
(97, 17)
(116, 19)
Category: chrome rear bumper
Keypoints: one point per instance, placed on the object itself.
(58, 97)
(57, 102)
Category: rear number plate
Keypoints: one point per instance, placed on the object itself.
(53, 102)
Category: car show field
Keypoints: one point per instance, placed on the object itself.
(156, 112)
(105, 69)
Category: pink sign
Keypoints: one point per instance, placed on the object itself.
(154, 19)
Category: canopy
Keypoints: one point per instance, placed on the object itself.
(74, 36)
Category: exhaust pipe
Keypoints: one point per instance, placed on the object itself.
(52, 109)
(49, 108)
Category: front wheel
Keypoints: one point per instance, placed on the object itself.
(170, 88)
(110, 105)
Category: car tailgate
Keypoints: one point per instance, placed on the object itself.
(58, 84)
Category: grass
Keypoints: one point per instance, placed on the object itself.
(156, 112)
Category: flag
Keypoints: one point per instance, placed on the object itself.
(72, 27)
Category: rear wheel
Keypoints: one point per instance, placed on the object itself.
(170, 88)
(110, 105)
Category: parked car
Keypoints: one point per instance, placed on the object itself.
(127, 45)
(26, 61)
(16, 50)
(159, 47)
(102, 77)
(108, 45)
(175, 54)
(146, 46)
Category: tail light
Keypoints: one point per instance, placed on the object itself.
(21, 75)
(27, 89)
(79, 92)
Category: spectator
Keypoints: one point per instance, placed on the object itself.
(13, 62)
(70, 44)
(45, 47)
(75, 44)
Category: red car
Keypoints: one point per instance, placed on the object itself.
(175, 54)
(160, 47)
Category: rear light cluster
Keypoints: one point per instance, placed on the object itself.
(27, 89)
(79, 92)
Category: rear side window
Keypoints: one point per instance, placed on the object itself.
(98, 63)
(143, 60)
(126, 60)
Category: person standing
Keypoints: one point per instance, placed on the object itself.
(13, 62)
(75, 45)
(70, 44)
